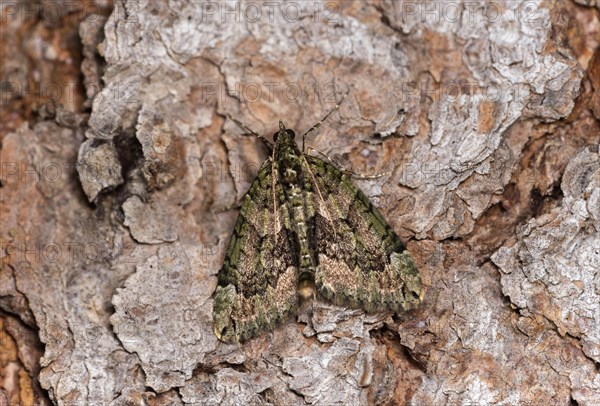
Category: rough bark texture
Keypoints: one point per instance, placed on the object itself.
(119, 192)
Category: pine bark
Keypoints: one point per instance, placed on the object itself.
(121, 174)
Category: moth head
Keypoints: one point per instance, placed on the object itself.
(283, 133)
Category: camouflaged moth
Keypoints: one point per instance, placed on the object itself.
(306, 230)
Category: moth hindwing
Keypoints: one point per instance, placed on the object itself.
(305, 229)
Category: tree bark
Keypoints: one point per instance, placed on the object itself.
(122, 173)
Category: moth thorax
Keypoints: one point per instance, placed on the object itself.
(306, 289)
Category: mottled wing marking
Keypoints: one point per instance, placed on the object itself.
(257, 283)
(365, 265)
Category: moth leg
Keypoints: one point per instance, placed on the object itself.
(350, 172)
(317, 125)
(252, 132)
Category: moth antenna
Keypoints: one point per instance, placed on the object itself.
(252, 132)
(318, 124)
(355, 175)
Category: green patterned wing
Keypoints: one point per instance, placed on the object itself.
(362, 262)
(257, 283)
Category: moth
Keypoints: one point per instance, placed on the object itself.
(305, 230)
